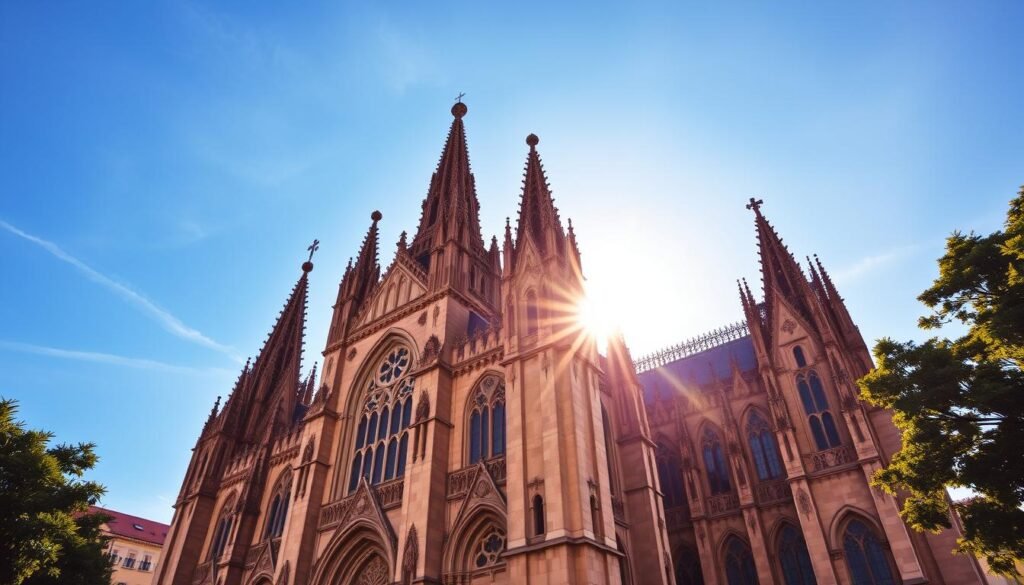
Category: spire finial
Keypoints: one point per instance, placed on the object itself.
(376, 216)
(755, 204)
(459, 109)
(533, 141)
(307, 266)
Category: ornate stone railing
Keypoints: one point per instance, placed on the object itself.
(833, 457)
(254, 554)
(332, 513)
(723, 504)
(677, 516)
(618, 509)
(769, 492)
(201, 571)
(458, 481)
(692, 346)
(389, 494)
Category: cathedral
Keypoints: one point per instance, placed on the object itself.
(464, 429)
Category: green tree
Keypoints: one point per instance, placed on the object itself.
(959, 403)
(47, 534)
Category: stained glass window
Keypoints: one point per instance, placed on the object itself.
(865, 556)
(714, 463)
(763, 447)
(819, 417)
(793, 558)
(739, 563)
(381, 436)
(487, 419)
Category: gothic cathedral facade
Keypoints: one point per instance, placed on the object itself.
(464, 429)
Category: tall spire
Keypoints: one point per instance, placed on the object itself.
(538, 216)
(358, 283)
(451, 209)
(276, 372)
(780, 272)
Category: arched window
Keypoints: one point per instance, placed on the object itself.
(763, 447)
(279, 507)
(739, 563)
(670, 474)
(865, 556)
(538, 515)
(223, 530)
(381, 439)
(688, 570)
(714, 462)
(487, 419)
(532, 314)
(798, 355)
(819, 417)
(489, 549)
(793, 558)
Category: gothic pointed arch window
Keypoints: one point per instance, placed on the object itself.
(798, 356)
(739, 563)
(688, 571)
(714, 462)
(532, 313)
(670, 475)
(763, 448)
(866, 557)
(279, 501)
(382, 438)
(222, 530)
(794, 561)
(816, 407)
(487, 419)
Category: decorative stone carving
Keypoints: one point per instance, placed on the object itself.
(431, 351)
(803, 501)
(789, 326)
(351, 354)
(374, 573)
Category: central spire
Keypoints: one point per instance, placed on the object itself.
(451, 210)
(538, 216)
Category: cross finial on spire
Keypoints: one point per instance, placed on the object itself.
(458, 98)
(755, 204)
(307, 266)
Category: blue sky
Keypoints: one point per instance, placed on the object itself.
(163, 167)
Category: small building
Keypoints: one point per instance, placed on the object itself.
(134, 546)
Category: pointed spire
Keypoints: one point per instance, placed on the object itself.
(451, 209)
(361, 277)
(538, 216)
(780, 272)
(278, 366)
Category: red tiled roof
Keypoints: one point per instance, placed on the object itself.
(130, 526)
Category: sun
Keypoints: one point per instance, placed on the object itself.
(598, 316)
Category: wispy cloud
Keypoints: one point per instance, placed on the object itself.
(107, 358)
(871, 263)
(168, 321)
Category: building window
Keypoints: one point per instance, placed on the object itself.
(279, 507)
(763, 447)
(793, 558)
(115, 557)
(147, 563)
(688, 570)
(798, 355)
(220, 537)
(670, 474)
(865, 556)
(714, 463)
(381, 438)
(819, 417)
(739, 563)
(487, 420)
(489, 549)
(532, 314)
(538, 515)
(129, 561)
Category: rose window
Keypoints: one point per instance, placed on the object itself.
(490, 549)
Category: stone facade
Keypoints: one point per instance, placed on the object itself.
(464, 429)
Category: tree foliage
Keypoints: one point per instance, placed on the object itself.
(47, 534)
(959, 403)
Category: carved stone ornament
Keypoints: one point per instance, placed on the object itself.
(431, 351)
(423, 407)
(789, 326)
(423, 319)
(482, 488)
(803, 501)
(351, 354)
